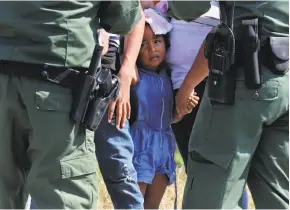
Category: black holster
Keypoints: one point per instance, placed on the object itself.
(97, 88)
(219, 50)
(249, 47)
(106, 92)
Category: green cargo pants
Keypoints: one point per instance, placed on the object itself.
(247, 142)
(42, 151)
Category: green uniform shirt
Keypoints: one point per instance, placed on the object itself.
(273, 15)
(60, 32)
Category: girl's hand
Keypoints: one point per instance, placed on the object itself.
(192, 101)
(186, 100)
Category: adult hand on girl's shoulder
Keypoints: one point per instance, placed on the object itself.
(121, 106)
(186, 100)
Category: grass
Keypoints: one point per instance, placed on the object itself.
(104, 201)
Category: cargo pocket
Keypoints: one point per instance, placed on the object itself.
(256, 101)
(51, 115)
(268, 91)
(78, 166)
(78, 178)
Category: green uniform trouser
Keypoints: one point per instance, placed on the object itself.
(247, 142)
(42, 151)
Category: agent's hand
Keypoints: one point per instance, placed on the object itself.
(177, 118)
(121, 107)
(104, 40)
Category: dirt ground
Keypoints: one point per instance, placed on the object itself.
(104, 201)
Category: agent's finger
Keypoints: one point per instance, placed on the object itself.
(124, 116)
(195, 101)
(119, 112)
(128, 111)
(111, 111)
(194, 98)
(191, 105)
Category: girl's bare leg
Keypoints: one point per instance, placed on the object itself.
(143, 187)
(155, 192)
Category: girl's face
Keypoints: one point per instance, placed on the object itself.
(153, 49)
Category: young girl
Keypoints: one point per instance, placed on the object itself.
(152, 103)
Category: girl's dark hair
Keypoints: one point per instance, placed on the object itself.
(165, 36)
(167, 45)
(166, 40)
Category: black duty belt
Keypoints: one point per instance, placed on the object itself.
(63, 76)
(111, 59)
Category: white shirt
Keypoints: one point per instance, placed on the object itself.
(186, 39)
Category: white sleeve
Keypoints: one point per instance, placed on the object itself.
(212, 16)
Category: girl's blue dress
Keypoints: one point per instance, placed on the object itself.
(154, 142)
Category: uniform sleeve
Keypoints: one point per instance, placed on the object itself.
(187, 10)
(119, 17)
